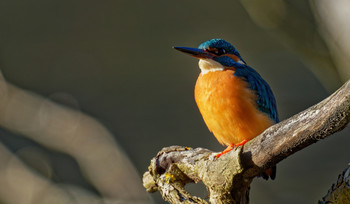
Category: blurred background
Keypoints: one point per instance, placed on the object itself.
(91, 91)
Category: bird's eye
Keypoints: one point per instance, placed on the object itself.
(217, 51)
(220, 51)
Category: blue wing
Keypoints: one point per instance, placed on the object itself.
(266, 100)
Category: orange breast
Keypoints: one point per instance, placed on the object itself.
(229, 107)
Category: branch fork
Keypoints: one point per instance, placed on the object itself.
(228, 178)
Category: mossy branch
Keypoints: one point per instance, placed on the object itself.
(228, 178)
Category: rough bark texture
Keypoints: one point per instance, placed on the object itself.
(175, 166)
(228, 178)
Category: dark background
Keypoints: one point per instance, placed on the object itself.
(114, 61)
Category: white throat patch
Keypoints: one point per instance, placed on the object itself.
(208, 65)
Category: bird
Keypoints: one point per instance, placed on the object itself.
(236, 103)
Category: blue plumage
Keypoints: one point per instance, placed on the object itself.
(220, 44)
(266, 101)
(230, 128)
(223, 59)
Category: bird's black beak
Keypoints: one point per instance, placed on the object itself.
(198, 53)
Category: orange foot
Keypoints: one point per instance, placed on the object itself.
(230, 147)
(241, 143)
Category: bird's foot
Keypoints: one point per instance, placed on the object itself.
(241, 143)
(230, 147)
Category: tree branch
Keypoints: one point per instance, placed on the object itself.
(228, 178)
(340, 191)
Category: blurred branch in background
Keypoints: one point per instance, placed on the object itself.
(321, 53)
(69, 131)
(19, 184)
(333, 19)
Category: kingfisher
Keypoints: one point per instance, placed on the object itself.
(235, 102)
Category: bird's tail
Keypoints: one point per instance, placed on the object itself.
(269, 173)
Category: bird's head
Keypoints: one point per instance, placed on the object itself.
(215, 55)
